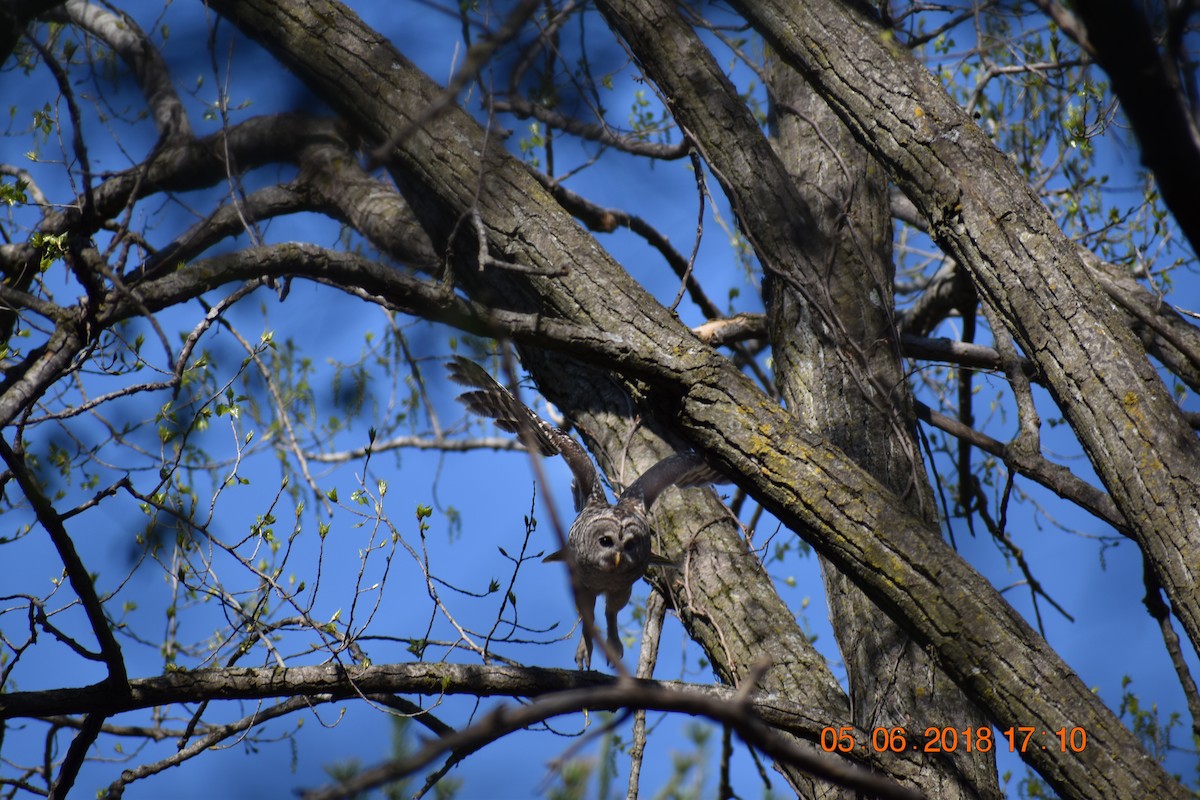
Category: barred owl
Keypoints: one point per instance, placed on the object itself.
(608, 546)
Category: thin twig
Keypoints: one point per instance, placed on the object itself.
(656, 609)
(477, 56)
(624, 695)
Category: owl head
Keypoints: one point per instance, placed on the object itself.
(613, 540)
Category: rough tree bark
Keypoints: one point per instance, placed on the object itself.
(824, 233)
(986, 217)
(841, 374)
(595, 340)
(454, 176)
(723, 596)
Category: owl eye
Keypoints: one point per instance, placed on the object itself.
(606, 541)
(630, 545)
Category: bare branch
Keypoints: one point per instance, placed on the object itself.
(445, 444)
(738, 328)
(76, 753)
(1054, 477)
(1160, 112)
(130, 42)
(477, 57)
(81, 581)
(341, 681)
(607, 220)
(624, 695)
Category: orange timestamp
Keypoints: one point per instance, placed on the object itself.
(949, 740)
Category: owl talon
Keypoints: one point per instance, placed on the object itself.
(615, 648)
(583, 653)
(608, 546)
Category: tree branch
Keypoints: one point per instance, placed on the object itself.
(81, 582)
(1032, 465)
(346, 681)
(129, 41)
(451, 168)
(983, 213)
(1119, 35)
(625, 694)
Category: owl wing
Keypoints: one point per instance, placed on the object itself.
(490, 399)
(681, 469)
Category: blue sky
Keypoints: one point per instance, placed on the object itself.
(489, 492)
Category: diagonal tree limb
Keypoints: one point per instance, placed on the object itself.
(624, 695)
(1118, 35)
(452, 169)
(117, 681)
(982, 212)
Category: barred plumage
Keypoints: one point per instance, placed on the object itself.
(608, 546)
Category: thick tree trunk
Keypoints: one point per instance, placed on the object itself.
(456, 180)
(982, 213)
(839, 369)
(723, 596)
(828, 278)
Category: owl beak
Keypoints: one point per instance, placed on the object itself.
(617, 559)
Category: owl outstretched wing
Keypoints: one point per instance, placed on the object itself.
(681, 469)
(490, 399)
